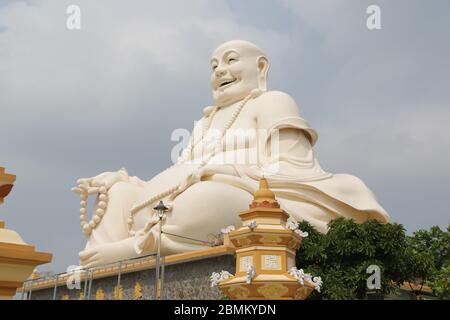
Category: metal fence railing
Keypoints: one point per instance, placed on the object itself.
(86, 276)
(121, 266)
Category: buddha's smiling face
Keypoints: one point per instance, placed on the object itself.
(237, 68)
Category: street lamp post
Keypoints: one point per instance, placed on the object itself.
(161, 210)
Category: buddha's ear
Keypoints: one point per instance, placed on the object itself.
(263, 68)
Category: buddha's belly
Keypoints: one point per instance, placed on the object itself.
(162, 182)
(234, 152)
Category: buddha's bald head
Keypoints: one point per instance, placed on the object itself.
(238, 67)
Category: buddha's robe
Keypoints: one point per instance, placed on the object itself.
(211, 199)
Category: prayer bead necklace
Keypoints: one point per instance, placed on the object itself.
(175, 190)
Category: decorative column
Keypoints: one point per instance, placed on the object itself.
(266, 246)
(17, 258)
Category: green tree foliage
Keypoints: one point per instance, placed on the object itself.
(440, 283)
(341, 256)
(434, 243)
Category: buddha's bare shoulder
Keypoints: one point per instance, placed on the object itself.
(276, 104)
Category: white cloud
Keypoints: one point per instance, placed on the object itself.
(398, 144)
(118, 46)
(383, 108)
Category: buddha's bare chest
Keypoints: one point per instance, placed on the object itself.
(246, 119)
(227, 127)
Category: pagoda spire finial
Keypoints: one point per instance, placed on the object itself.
(264, 197)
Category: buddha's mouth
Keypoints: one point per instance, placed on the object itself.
(226, 83)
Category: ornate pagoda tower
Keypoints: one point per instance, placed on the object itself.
(17, 258)
(266, 246)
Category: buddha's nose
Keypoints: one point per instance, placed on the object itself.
(220, 72)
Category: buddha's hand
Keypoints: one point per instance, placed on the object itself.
(200, 173)
(106, 179)
(108, 253)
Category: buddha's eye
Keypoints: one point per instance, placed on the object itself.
(232, 60)
(214, 67)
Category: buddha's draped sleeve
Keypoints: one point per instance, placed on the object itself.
(285, 143)
(287, 160)
(297, 178)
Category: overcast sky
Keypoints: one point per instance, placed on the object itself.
(74, 103)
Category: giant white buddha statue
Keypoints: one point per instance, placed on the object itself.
(215, 177)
